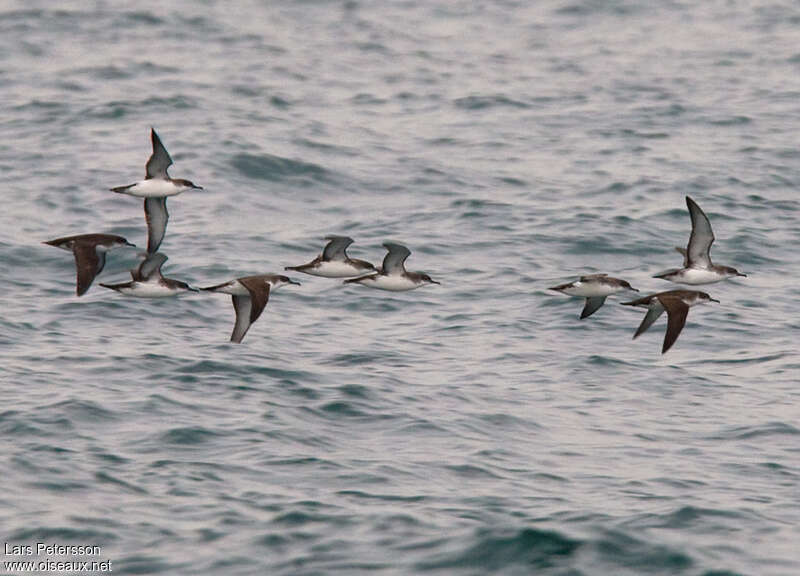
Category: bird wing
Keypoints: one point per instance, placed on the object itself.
(89, 263)
(259, 294)
(697, 251)
(396, 257)
(155, 212)
(677, 311)
(652, 315)
(149, 266)
(592, 305)
(243, 307)
(159, 160)
(335, 249)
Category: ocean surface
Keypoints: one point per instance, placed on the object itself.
(477, 427)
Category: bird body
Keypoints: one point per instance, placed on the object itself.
(676, 304)
(393, 275)
(595, 288)
(148, 282)
(90, 254)
(334, 261)
(250, 295)
(390, 282)
(155, 189)
(697, 266)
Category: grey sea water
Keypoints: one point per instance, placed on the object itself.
(477, 427)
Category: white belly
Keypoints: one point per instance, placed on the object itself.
(693, 276)
(149, 290)
(394, 283)
(336, 269)
(154, 188)
(590, 290)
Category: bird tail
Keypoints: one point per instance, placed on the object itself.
(666, 273)
(122, 189)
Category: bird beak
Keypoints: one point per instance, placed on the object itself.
(435, 282)
(130, 244)
(195, 186)
(634, 289)
(295, 282)
(740, 274)
(713, 300)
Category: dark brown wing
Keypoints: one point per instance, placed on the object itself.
(676, 319)
(259, 294)
(89, 263)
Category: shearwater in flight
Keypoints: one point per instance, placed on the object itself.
(155, 189)
(392, 274)
(334, 261)
(676, 303)
(595, 288)
(90, 254)
(697, 265)
(147, 281)
(250, 295)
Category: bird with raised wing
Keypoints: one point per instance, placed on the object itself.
(148, 282)
(697, 266)
(155, 189)
(393, 275)
(334, 261)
